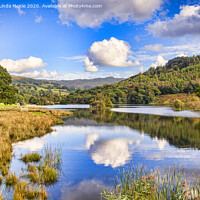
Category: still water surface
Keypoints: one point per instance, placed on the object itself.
(96, 145)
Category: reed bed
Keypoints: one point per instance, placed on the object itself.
(135, 183)
(48, 170)
(32, 184)
(24, 190)
(16, 125)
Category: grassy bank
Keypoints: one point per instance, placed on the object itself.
(140, 184)
(186, 101)
(16, 125)
(170, 98)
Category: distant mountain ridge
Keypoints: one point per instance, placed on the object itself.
(70, 84)
(88, 83)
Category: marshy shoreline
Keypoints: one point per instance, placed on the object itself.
(17, 125)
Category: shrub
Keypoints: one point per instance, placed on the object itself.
(178, 105)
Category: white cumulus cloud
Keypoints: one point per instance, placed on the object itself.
(187, 22)
(22, 65)
(107, 11)
(89, 66)
(40, 74)
(113, 53)
(160, 62)
(182, 54)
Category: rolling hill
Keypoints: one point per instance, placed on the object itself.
(32, 86)
(179, 75)
(37, 91)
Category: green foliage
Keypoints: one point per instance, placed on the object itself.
(178, 105)
(198, 91)
(101, 102)
(40, 92)
(7, 92)
(179, 75)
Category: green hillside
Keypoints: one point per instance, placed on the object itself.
(179, 75)
(38, 91)
(35, 91)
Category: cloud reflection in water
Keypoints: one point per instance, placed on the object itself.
(112, 152)
(85, 190)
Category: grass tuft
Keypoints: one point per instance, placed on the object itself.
(11, 180)
(33, 174)
(31, 157)
(50, 175)
(25, 191)
(48, 170)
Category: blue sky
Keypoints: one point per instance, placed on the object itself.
(113, 39)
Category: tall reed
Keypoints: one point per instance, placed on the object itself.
(48, 170)
(139, 183)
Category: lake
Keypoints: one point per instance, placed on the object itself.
(95, 145)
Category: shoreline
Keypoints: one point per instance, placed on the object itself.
(16, 125)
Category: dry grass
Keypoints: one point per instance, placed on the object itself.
(194, 104)
(23, 191)
(190, 101)
(170, 98)
(11, 180)
(17, 126)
